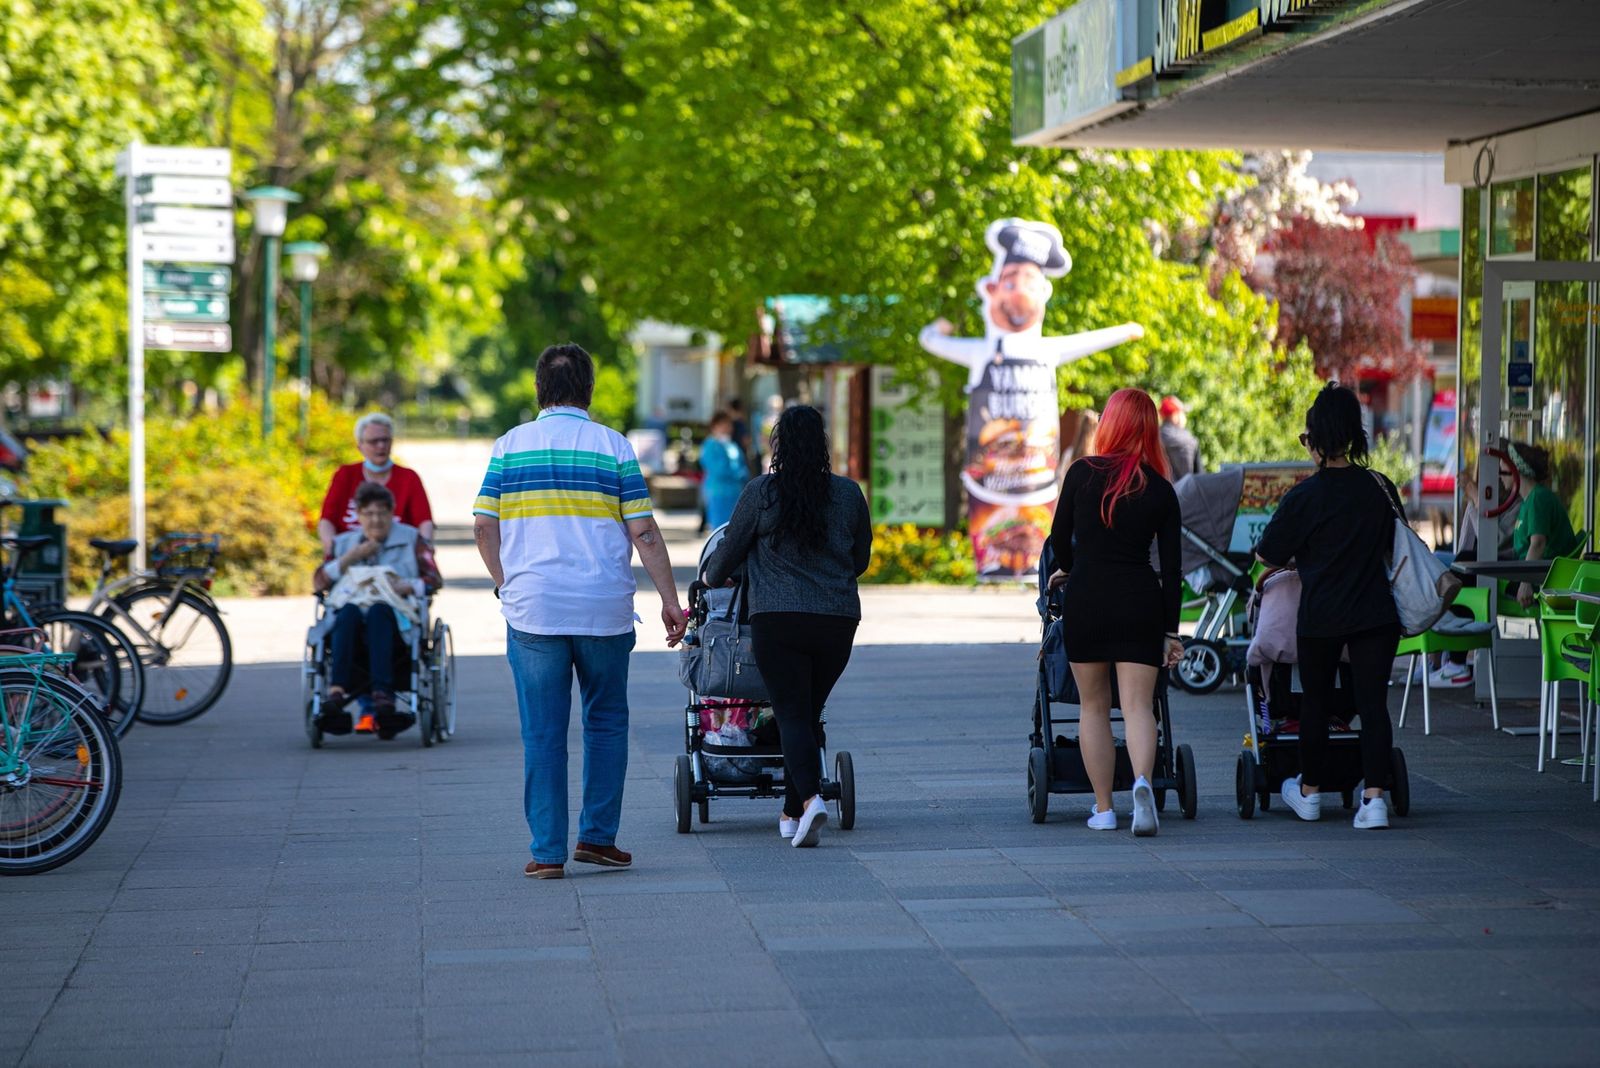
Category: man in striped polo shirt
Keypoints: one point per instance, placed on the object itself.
(562, 508)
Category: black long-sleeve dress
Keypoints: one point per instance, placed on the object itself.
(1117, 607)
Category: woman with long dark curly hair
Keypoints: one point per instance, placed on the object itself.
(1120, 615)
(1336, 528)
(802, 534)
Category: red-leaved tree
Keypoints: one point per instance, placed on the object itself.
(1340, 291)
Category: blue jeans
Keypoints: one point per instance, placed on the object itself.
(542, 666)
(378, 629)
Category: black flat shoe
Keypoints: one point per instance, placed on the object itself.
(333, 719)
(391, 720)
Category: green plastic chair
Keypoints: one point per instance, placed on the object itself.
(1475, 600)
(1508, 605)
(1587, 616)
(1566, 652)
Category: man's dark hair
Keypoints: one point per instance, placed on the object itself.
(372, 493)
(735, 405)
(564, 376)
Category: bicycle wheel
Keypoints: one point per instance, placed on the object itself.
(60, 771)
(105, 662)
(185, 650)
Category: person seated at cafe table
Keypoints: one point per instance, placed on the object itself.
(1543, 530)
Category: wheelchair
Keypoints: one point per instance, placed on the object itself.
(425, 679)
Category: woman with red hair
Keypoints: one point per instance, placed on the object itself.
(1120, 616)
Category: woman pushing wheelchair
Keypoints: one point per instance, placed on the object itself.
(375, 579)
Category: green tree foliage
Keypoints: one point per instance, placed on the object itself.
(696, 157)
(79, 80)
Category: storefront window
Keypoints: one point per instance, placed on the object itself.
(1565, 204)
(1561, 328)
(1511, 222)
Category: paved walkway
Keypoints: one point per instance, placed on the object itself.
(255, 902)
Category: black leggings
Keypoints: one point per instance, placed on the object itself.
(801, 655)
(1371, 658)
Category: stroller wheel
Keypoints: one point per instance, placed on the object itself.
(705, 811)
(1399, 783)
(682, 787)
(1244, 785)
(1202, 668)
(1188, 789)
(1038, 783)
(844, 773)
(1161, 800)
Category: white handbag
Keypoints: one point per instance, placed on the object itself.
(1422, 584)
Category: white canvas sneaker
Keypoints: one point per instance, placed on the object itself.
(808, 828)
(1102, 821)
(1307, 808)
(1145, 821)
(1372, 815)
(786, 826)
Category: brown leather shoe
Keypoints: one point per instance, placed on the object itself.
(535, 870)
(605, 856)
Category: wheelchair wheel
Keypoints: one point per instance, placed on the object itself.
(444, 682)
(309, 699)
(682, 789)
(427, 710)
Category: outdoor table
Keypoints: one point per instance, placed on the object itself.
(1510, 570)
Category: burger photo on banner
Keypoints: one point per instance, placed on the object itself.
(1013, 411)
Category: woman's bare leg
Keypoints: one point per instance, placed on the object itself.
(1136, 685)
(1094, 729)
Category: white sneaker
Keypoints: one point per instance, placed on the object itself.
(1102, 821)
(1307, 808)
(1450, 676)
(1372, 815)
(786, 826)
(1145, 821)
(808, 828)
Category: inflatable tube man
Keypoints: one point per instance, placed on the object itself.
(1013, 413)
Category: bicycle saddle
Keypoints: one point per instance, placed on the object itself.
(28, 541)
(119, 547)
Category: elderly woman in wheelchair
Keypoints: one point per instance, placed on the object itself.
(374, 585)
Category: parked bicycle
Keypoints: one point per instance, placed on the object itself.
(104, 661)
(168, 614)
(60, 767)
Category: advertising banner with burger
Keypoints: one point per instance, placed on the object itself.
(1013, 411)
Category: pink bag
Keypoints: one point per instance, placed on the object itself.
(1276, 607)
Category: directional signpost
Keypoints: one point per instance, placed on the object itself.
(180, 252)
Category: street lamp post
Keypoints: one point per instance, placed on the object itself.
(270, 204)
(305, 260)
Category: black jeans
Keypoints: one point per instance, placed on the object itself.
(801, 655)
(1371, 657)
(379, 630)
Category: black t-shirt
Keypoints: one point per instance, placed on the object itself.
(1337, 528)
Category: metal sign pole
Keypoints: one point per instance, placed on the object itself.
(136, 528)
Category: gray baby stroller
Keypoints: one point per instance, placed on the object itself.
(730, 739)
(1223, 517)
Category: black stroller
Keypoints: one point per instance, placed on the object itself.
(1055, 762)
(753, 767)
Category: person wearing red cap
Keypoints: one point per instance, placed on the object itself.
(1183, 451)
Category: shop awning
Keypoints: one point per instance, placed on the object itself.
(1385, 75)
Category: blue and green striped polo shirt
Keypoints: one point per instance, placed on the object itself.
(563, 488)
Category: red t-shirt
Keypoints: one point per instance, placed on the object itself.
(410, 499)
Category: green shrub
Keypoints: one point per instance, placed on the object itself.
(210, 472)
(906, 553)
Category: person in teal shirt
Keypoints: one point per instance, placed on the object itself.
(1543, 531)
(725, 470)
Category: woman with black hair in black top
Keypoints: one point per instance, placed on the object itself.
(1336, 528)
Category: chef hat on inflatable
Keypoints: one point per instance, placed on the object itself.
(1020, 241)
